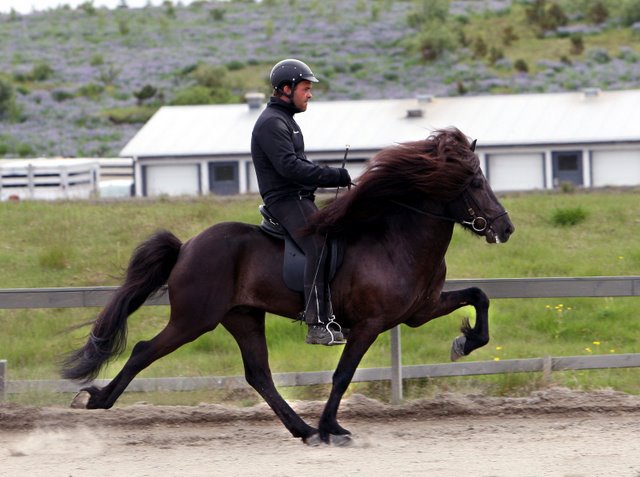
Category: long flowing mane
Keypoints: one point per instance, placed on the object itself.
(438, 168)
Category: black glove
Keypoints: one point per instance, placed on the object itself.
(345, 178)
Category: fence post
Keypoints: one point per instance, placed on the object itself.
(547, 369)
(396, 366)
(31, 182)
(3, 371)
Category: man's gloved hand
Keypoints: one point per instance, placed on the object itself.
(345, 178)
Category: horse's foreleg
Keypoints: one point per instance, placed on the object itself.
(359, 342)
(144, 353)
(472, 337)
(249, 332)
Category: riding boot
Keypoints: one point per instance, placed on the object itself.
(322, 327)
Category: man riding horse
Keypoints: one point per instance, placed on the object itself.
(288, 180)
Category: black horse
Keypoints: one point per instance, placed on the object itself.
(396, 225)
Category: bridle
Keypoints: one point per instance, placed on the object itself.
(478, 221)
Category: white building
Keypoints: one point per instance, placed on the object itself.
(525, 142)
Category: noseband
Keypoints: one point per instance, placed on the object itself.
(477, 222)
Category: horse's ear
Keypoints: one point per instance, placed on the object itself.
(473, 145)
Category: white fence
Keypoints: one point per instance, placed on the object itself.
(495, 288)
(50, 179)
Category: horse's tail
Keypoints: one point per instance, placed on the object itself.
(148, 270)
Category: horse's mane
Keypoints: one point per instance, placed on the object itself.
(438, 168)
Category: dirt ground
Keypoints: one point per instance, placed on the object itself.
(555, 432)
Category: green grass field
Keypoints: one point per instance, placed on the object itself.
(86, 243)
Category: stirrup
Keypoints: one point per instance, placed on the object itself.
(336, 335)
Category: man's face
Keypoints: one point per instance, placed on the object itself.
(302, 95)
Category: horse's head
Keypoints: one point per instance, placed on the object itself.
(479, 210)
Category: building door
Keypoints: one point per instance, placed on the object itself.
(567, 167)
(223, 178)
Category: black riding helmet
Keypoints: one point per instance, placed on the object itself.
(290, 72)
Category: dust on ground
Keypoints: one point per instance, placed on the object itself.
(552, 432)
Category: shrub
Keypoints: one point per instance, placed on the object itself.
(568, 216)
(88, 8)
(479, 48)
(192, 95)
(598, 12)
(146, 92)
(41, 72)
(7, 98)
(130, 115)
(209, 76)
(495, 54)
(629, 11)
(91, 90)
(60, 95)
(109, 74)
(599, 55)
(435, 39)
(217, 14)
(577, 44)
(234, 65)
(24, 150)
(521, 66)
(97, 60)
(508, 36)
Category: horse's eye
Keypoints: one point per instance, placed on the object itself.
(476, 182)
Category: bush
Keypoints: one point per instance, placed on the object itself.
(60, 95)
(521, 66)
(91, 90)
(565, 217)
(217, 14)
(192, 95)
(130, 115)
(209, 76)
(146, 92)
(435, 39)
(577, 44)
(41, 72)
(7, 97)
(598, 13)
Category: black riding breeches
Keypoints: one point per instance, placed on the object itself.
(293, 214)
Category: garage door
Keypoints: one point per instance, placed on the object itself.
(171, 180)
(615, 168)
(516, 171)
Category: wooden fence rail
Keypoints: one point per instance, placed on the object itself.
(495, 288)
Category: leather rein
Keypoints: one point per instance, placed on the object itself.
(478, 223)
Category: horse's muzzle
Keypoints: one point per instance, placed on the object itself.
(500, 230)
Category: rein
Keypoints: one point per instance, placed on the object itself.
(477, 223)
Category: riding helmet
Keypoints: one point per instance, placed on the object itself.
(290, 72)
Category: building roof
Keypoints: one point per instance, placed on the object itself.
(589, 116)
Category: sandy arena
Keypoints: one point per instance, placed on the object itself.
(555, 432)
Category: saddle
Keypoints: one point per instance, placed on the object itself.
(294, 259)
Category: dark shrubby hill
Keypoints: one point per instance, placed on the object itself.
(81, 82)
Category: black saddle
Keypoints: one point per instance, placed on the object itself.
(294, 259)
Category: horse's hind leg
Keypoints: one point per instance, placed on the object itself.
(144, 353)
(248, 329)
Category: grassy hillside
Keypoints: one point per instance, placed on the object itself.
(88, 243)
(82, 82)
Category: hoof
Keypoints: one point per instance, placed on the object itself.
(457, 348)
(80, 400)
(313, 440)
(338, 440)
(342, 440)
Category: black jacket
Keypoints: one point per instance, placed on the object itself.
(277, 149)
